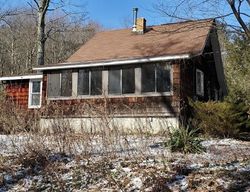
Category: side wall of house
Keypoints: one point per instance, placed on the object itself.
(18, 92)
(120, 107)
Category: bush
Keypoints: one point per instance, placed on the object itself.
(219, 119)
(185, 140)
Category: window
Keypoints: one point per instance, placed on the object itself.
(66, 83)
(148, 78)
(89, 82)
(128, 80)
(121, 81)
(199, 82)
(163, 78)
(114, 81)
(155, 78)
(83, 82)
(60, 84)
(35, 89)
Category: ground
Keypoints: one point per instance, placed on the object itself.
(132, 164)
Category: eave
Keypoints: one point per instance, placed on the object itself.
(111, 63)
(23, 77)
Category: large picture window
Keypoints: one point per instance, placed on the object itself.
(60, 84)
(89, 82)
(121, 81)
(155, 78)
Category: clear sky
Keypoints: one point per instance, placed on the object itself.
(118, 13)
(113, 14)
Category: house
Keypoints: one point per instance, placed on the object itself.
(144, 73)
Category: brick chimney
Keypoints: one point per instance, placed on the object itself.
(139, 24)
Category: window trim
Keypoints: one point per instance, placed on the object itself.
(138, 90)
(121, 83)
(155, 92)
(30, 106)
(90, 85)
(201, 92)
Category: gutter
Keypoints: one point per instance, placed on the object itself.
(112, 63)
(9, 78)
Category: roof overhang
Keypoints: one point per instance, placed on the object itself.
(13, 78)
(111, 63)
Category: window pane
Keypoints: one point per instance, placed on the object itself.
(96, 82)
(114, 79)
(128, 80)
(198, 82)
(54, 85)
(83, 82)
(66, 83)
(35, 86)
(148, 78)
(163, 78)
(35, 99)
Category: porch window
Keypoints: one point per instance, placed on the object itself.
(35, 89)
(121, 81)
(60, 84)
(89, 82)
(199, 82)
(156, 78)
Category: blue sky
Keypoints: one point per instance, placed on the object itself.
(118, 13)
(113, 14)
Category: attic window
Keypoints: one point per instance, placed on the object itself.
(199, 82)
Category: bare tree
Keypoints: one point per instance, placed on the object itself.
(42, 8)
(194, 9)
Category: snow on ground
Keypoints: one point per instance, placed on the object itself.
(133, 164)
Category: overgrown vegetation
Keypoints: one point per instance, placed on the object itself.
(219, 119)
(185, 140)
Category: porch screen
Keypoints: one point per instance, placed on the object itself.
(128, 80)
(96, 82)
(83, 82)
(114, 81)
(66, 83)
(163, 78)
(148, 78)
(156, 78)
(60, 83)
(54, 84)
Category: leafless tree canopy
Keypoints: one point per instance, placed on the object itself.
(233, 13)
(20, 40)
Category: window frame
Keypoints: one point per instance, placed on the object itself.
(90, 83)
(31, 81)
(120, 69)
(105, 78)
(60, 96)
(155, 92)
(200, 91)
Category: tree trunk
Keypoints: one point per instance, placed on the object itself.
(41, 37)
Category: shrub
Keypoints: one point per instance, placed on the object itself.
(185, 140)
(219, 119)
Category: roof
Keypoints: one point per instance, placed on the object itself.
(166, 42)
(162, 40)
(13, 78)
